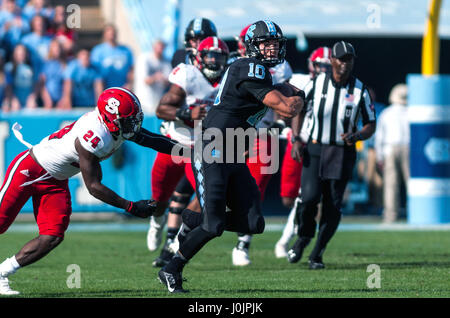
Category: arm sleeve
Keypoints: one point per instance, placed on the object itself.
(157, 142)
(258, 89)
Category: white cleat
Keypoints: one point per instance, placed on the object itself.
(240, 257)
(4, 287)
(154, 234)
(281, 250)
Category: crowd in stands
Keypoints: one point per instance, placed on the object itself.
(42, 66)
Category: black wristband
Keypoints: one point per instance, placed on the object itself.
(296, 138)
(301, 94)
(183, 113)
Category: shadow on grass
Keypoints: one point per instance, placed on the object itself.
(390, 265)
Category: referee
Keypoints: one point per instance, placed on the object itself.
(338, 100)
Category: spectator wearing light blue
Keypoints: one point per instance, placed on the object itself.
(13, 25)
(37, 43)
(20, 88)
(112, 60)
(2, 80)
(82, 83)
(52, 76)
(38, 7)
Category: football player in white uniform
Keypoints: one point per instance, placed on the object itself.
(193, 90)
(42, 172)
(281, 73)
(319, 61)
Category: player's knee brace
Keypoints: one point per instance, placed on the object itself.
(176, 210)
(182, 199)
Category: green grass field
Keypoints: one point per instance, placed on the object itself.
(118, 264)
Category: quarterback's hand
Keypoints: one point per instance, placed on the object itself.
(142, 208)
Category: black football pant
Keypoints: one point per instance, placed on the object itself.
(218, 186)
(313, 190)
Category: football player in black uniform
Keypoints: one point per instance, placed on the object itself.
(197, 30)
(245, 93)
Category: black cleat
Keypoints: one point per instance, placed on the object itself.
(316, 264)
(164, 258)
(295, 253)
(173, 281)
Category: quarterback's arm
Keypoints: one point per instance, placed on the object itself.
(285, 106)
(91, 171)
(160, 143)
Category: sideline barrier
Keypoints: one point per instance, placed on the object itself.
(127, 172)
(429, 117)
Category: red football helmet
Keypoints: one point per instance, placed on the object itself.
(240, 40)
(319, 61)
(120, 111)
(212, 56)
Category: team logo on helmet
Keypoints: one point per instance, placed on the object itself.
(261, 32)
(120, 111)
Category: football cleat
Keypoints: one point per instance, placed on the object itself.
(5, 289)
(316, 264)
(154, 234)
(281, 250)
(173, 281)
(240, 257)
(295, 253)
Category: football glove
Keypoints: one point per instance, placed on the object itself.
(142, 208)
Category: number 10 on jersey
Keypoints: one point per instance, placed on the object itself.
(256, 71)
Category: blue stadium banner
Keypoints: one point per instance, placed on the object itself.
(171, 26)
(429, 117)
(127, 172)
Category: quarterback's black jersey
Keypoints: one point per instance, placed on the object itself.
(239, 100)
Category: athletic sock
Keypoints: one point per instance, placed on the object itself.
(244, 241)
(171, 234)
(9, 266)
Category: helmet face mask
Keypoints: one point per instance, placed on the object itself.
(319, 61)
(258, 36)
(120, 111)
(212, 56)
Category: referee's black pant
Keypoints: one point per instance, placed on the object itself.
(313, 190)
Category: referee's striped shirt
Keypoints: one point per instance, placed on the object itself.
(336, 109)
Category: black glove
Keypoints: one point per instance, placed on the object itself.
(142, 208)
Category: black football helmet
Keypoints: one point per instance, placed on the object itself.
(262, 31)
(199, 28)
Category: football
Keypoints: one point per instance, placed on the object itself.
(285, 89)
